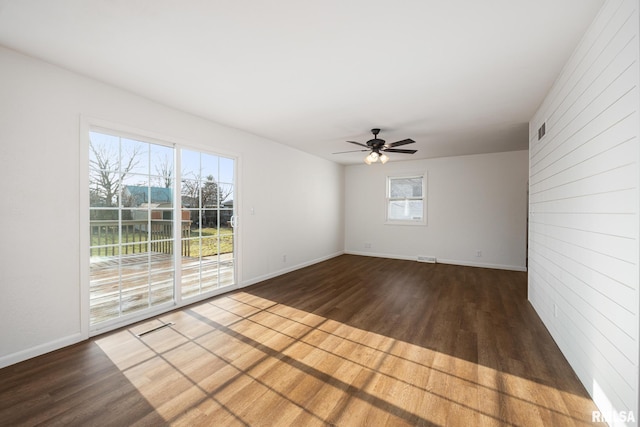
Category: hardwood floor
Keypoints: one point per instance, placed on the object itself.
(351, 341)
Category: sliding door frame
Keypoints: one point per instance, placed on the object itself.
(88, 124)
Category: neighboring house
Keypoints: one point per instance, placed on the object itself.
(159, 198)
(136, 196)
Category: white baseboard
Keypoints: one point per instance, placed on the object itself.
(39, 350)
(277, 273)
(482, 265)
(441, 261)
(379, 255)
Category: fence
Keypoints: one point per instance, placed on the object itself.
(112, 237)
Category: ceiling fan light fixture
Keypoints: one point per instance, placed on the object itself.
(384, 158)
(371, 158)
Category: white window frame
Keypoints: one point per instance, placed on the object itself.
(388, 200)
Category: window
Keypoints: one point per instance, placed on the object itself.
(150, 249)
(131, 206)
(207, 199)
(405, 200)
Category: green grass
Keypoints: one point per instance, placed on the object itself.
(208, 245)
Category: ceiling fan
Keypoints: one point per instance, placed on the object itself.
(378, 148)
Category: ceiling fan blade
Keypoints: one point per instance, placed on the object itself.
(352, 151)
(357, 143)
(396, 150)
(403, 142)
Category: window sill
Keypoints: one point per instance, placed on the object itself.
(412, 223)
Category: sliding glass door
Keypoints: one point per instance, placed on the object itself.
(159, 233)
(207, 188)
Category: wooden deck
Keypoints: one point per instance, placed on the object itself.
(353, 341)
(124, 285)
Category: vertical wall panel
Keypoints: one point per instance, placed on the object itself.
(583, 208)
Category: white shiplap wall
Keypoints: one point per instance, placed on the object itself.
(584, 198)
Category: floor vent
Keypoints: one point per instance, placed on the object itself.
(429, 259)
(164, 325)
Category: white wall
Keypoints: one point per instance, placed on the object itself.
(474, 203)
(584, 210)
(297, 199)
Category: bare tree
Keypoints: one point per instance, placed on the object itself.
(191, 193)
(224, 192)
(107, 172)
(202, 193)
(164, 168)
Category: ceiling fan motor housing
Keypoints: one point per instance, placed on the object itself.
(376, 143)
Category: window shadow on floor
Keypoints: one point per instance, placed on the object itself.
(74, 386)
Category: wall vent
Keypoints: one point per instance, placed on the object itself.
(542, 130)
(424, 258)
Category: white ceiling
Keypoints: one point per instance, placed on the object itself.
(457, 76)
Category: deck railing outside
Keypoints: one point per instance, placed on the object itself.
(137, 236)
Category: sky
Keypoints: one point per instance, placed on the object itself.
(151, 159)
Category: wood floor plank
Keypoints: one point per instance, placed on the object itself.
(349, 341)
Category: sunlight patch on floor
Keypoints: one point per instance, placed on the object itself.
(243, 359)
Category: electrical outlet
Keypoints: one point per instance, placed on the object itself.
(367, 245)
(284, 258)
(478, 254)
